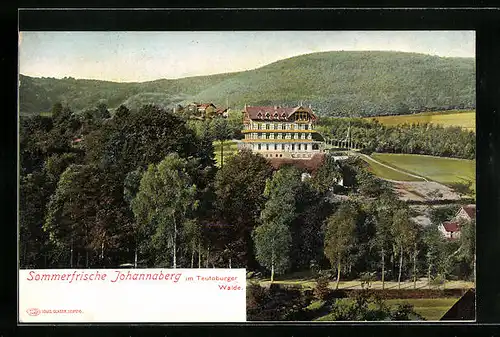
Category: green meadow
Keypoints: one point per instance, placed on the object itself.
(440, 169)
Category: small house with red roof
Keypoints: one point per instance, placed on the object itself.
(202, 109)
(222, 112)
(451, 229)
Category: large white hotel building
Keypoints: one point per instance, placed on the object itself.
(280, 132)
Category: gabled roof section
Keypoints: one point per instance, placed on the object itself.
(470, 210)
(204, 105)
(255, 112)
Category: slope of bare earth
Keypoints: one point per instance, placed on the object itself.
(423, 191)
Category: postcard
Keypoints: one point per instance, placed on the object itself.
(246, 176)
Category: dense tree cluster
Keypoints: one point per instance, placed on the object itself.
(428, 139)
(141, 187)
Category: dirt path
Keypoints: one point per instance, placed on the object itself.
(377, 285)
(392, 168)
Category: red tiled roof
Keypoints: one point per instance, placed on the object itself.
(470, 210)
(273, 112)
(204, 105)
(311, 165)
(451, 226)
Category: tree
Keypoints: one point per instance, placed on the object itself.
(131, 186)
(102, 111)
(86, 213)
(383, 236)
(139, 139)
(340, 235)
(433, 243)
(239, 189)
(273, 238)
(34, 193)
(121, 112)
(327, 176)
(404, 234)
(70, 212)
(164, 205)
(221, 132)
(468, 245)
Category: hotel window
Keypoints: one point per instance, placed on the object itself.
(267, 147)
(283, 126)
(267, 126)
(259, 126)
(275, 126)
(258, 146)
(267, 136)
(306, 126)
(305, 147)
(293, 147)
(299, 147)
(275, 146)
(282, 146)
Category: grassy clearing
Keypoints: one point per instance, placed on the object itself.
(464, 119)
(230, 148)
(315, 305)
(432, 309)
(443, 170)
(387, 173)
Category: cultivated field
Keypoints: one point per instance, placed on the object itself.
(464, 119)
(443, 170)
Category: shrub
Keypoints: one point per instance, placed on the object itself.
(322, 291)
(256, 295)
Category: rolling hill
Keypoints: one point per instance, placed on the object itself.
(339, 83)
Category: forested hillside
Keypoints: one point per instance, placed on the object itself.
(335, 83)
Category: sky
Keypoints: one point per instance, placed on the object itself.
(146, 56)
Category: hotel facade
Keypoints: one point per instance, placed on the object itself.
(280, 132)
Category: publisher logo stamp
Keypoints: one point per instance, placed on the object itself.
(33, 311)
